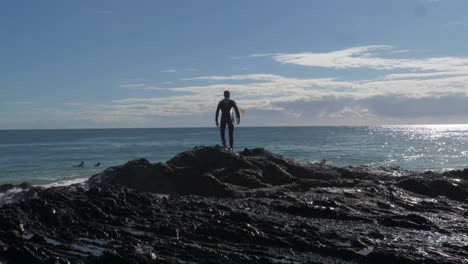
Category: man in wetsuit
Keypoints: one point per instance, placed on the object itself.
(225, 106)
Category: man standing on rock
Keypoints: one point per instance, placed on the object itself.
(225, 106)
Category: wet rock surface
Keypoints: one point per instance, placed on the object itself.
(248, 207)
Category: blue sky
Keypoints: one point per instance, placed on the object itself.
(79, 64)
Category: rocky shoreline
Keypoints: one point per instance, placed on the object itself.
(209, 205)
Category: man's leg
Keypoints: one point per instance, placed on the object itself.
(222, 129)
(231, 134)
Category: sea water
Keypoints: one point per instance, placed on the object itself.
(48, 156)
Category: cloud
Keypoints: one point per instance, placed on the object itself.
(285, 100)
(386, 106)
(16, 102)
(132, 85)
(429, 106)
(73, 104)
(270, 92)
(372, 57)
(400, 51)
(258, 55)
(422, 75)
(168, 71)
(143, 86)
(243, 77)
(367, 57)
(397, 90)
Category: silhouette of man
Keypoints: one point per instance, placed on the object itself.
(225, 106)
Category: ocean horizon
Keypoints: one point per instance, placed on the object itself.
(47, 156)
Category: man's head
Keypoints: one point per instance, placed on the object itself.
(227, 94)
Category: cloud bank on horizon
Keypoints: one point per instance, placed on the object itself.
(403, 90)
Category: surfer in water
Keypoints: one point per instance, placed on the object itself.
(225, 106)
(79, 165)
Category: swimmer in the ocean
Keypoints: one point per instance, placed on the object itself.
(79, 165)
(97, 164)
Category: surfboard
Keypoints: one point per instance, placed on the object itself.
(233, 115)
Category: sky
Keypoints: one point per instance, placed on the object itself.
(166, 63)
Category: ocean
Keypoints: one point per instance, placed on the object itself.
(47, 157)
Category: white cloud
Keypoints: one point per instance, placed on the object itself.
(168, 71)
(132, 85)
(422, 75)
(268, 91)
(16, 102)
(368, 57)
(400, 51)
(73, 104)
(261, 55)
(258, 55)
(401, 89)
(271, 92)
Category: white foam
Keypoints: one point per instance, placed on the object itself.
(8, 196)
(63, 183)
(13, 190)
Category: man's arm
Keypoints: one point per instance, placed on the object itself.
(237, 112)
(217, 113)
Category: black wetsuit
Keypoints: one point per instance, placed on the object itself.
(225, 106)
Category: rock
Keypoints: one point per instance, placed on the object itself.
(435, 188)
(411, 221)
(205, 158)
(416, 186)
(183, 173)
(25, 185)
(275, 175)
(244, 178)
(457, 173)
(448, 189)
(248, 207)
(6, 187)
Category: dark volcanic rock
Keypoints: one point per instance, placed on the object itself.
(186, 172)
(440, 187)
(275, 175)
(246, 178)
(248, 207)
(161, 178)
(456, 191)
(209, 158)
(6, 187)
(416, 186)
